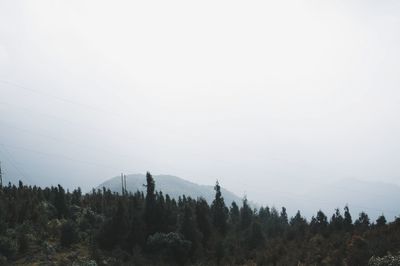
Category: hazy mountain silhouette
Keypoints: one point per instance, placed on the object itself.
(374, 198)
(172, 185)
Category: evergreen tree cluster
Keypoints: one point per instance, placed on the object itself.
(51, 225)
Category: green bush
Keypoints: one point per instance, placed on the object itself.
(8, 246)
(69, 234)
(388, 260)
(172, 246)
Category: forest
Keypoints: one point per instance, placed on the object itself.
(54, 226)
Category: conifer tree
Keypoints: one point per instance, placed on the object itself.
(381, 221)
(319, 223)
(284, 217)
(60, 203)
(363, 222)
(188, 228)
(337, 221)
(245, 215)
(298, 224)
(150, 211)
(234, 214)
(203, 220)
(347, 222)
(218, 209)
(256, 238)
(264, 214)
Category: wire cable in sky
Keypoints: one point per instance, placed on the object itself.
(57, 139)
(72, 102)
(63, 157)
(11, 160)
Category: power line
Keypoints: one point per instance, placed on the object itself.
(60, 156)
(93, 130)
(86, 106)
(11, 160)
(69, 101)
(57, 139)
(33, 112)
(1, 177)
(290, 195)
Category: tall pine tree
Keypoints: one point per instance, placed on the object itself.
(219, 213)
(150, 211)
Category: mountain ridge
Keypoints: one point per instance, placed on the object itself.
(172, 185)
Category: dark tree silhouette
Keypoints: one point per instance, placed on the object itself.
(153, 229)
(219, 212)
(246, 215)
(150, 211)
(381, 221)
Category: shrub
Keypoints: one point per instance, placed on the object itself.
(358, 251)
(171, 246)
(68, 234)
(8, 246)
(388, 260)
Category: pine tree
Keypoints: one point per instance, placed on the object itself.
(363, 222)
(115, 230)
(234, 213)
(246, 215)
(284, 217)
(256, 238)
(347, 222)
(319, 223)
(203, 220)
(218, 209)
(69, 234)
(381, 221)
(188, 228)
(298, 224)
(337, 221)
(150, 211)
(60, 203)
(264, 214)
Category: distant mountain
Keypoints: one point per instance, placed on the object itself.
(171, 185)
(374, 198)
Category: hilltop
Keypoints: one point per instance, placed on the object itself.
(172, 185)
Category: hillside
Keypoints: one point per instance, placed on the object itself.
(376, 198)
(172, 185)
(54, 226)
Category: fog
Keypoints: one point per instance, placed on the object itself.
(271, 98)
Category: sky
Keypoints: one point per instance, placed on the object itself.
(271, 98)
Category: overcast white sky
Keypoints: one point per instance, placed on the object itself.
(266, 96)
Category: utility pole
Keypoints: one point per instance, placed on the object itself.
(126, 192)
(1, 177)
(122, 183)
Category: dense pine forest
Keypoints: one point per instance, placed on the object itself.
(52, 226)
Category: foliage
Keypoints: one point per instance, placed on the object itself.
(219, 212)
(39, 224)
(388, 260)
(171, 245)
(8, 245)
(69, 234)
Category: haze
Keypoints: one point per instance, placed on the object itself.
(271, 98)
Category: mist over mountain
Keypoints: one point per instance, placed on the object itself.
(293, 105)
(374, 198)
(171, 185)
